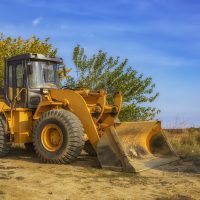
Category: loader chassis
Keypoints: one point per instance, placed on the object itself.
(58, 122)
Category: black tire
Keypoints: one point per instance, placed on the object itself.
(4, 143)
(89, 149)
(29, 147)
(72, 133)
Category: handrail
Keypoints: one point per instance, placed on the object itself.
(13, 107)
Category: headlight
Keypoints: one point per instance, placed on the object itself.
(44, 91)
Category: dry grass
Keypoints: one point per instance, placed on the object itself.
(186, 142)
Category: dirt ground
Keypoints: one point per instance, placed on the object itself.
(23, 177)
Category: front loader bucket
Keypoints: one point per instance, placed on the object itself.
(134, 147)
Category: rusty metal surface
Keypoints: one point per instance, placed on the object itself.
(134, 147)
(136, 137)
(111, 154)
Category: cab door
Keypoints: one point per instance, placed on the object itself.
(19, 84)
(10, 82)
(16, 82)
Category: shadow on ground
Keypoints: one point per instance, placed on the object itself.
(19, 153)
(187, 164)
(152, 183)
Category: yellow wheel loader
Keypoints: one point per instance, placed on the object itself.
(60, 123)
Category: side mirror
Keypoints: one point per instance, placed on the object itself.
(29, 68)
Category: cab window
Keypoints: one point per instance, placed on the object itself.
(19, 76)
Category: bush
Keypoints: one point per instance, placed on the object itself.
(185, 143)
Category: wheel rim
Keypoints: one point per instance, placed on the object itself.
(51, 137)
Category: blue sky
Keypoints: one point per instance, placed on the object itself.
(161, 38)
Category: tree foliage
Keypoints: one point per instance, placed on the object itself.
(14, 46)
(101, 71)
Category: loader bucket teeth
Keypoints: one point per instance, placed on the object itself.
(134, 147)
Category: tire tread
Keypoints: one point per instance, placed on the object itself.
(75, 133)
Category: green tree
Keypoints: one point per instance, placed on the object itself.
(106, 72)
(14, 46)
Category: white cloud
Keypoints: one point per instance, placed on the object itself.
(36, 21)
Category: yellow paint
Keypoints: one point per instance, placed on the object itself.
(78, 106)
(19, 124)
(22, 125)
(96, 115)
(83, 104)
(4, 106)
(138, 133)
(45, 106)
(90, 107)
(107, 119)
(52, 137)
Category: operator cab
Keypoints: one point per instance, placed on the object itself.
(25, 77)
(42, 74)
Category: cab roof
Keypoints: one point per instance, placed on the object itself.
(34, 56)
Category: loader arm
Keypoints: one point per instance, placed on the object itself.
(127, 146)
(75, 102)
